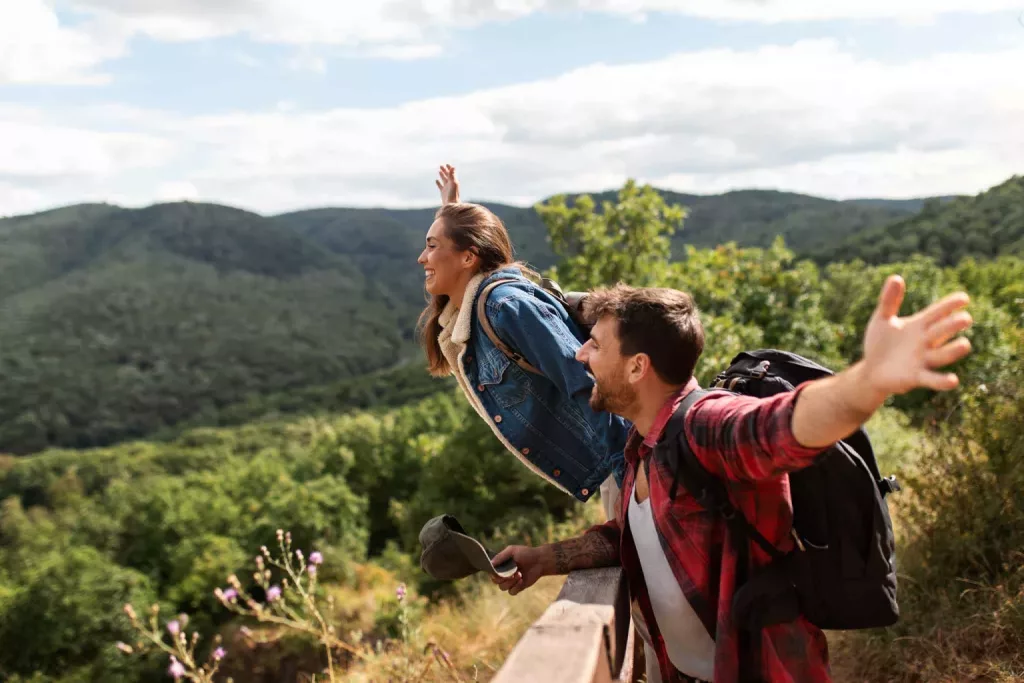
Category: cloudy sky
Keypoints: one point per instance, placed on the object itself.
(273, 105)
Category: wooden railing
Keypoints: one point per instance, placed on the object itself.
(585, 636)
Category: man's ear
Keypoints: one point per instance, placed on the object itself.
(639, 367)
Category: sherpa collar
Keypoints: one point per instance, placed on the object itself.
(462, 315)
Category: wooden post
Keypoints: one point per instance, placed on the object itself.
(585, 636)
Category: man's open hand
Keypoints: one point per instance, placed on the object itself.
(447, 184)
(532, 564)
(901, 354)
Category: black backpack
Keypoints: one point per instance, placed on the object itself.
(842, 572)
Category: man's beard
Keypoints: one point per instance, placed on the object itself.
(611, 399)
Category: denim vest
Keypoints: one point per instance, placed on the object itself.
(547, 419)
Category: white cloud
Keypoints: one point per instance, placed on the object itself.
(402, 53)
(305, 60)
(810, 117)
(16, 200)
(411, 21)
(35, 48)
(42, 151)
(776, 11)
(176, 190)
(46, 163)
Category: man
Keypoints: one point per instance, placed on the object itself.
(678, 559)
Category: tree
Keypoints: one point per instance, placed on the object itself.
(628, 241)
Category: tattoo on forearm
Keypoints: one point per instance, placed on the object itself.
(586, 552)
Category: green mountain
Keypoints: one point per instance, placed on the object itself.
(121, 323)
(754, 218)
(383, 240)
(984, 226)
(118, 323)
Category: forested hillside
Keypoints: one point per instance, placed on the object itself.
(118, 323)
(82, 533)
(383, 239)
(985, 226)
(121, 324)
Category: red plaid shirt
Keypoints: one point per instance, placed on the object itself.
(749, 444)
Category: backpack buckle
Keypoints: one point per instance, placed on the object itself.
(708, 502)
(889, 484)
(761, 370)
(727, 510)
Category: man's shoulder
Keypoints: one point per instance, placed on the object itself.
(713, 407)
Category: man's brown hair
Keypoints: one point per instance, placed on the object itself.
(663, 323)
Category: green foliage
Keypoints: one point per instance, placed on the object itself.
(962, 568)
(134, 321)
(628, 241)
(768, 298)
(1000, 280)
(179, 516)
(103, 349)
(124, 324)
(460, 476)
(755, 218)
(985, 226)
(66, 611)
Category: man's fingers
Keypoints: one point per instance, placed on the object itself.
(504, 555)
(944, 329)
(891, 297)
(944, 307)
(938, 381)
(509, 581)
(509, 584)
(948, 354)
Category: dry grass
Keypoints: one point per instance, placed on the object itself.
(465, 641)
(468, 639)
(959, 517)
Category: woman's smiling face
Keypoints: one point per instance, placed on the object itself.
(444, 265)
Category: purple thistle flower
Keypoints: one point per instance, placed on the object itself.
(218, 654)
(173, 627)
(273, 593)
(176, 669)
(311, 569)
(230, 594)
(400, 592)
(316, 557)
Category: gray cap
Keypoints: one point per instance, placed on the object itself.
(449, 553)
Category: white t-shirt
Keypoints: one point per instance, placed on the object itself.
(689, 646)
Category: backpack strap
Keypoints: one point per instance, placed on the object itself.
(709, 490)
(481, 315)
(712, 495)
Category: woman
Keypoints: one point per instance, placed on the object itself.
(544, 418)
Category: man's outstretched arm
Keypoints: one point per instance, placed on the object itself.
(745, 438)
(900, 354)
(599, 547)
